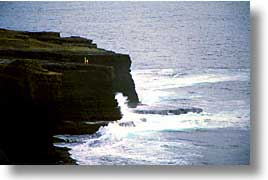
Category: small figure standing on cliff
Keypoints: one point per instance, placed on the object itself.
(85, 60)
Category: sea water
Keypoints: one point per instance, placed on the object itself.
(184, 55)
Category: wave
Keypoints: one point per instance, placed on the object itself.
(141, 121)
(159, 79)
(158, 85)
(131, 139)
(158, 124)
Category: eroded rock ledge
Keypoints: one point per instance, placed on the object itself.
(48, 88)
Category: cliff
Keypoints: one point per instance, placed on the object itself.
(29, 111)
(87, 97)
(48, 88)
(49, 46)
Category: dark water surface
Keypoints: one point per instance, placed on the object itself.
(184, 55)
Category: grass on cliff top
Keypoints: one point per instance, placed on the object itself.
(13, 40)
(26, 65)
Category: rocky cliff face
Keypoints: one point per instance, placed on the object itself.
(123, 81)
(50, 47)
(29, 111)
(88, 97)
(47, 88)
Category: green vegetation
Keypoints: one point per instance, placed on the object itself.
(14, 40)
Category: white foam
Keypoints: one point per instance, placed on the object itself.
(117, 144)
(156, 122)
(127, 144)
(150, 81)
(154, 84)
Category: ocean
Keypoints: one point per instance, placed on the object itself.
(185, 55)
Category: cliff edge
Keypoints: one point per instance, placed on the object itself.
(55, 85)
(50, 47)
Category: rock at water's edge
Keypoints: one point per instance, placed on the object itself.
(46, 89)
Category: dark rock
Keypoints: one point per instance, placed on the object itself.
(50, 47)
(170, 112)
(143, 119)
(29, 112)
(46, 89)
(87, 96)
(127, 124)
(123, 81)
